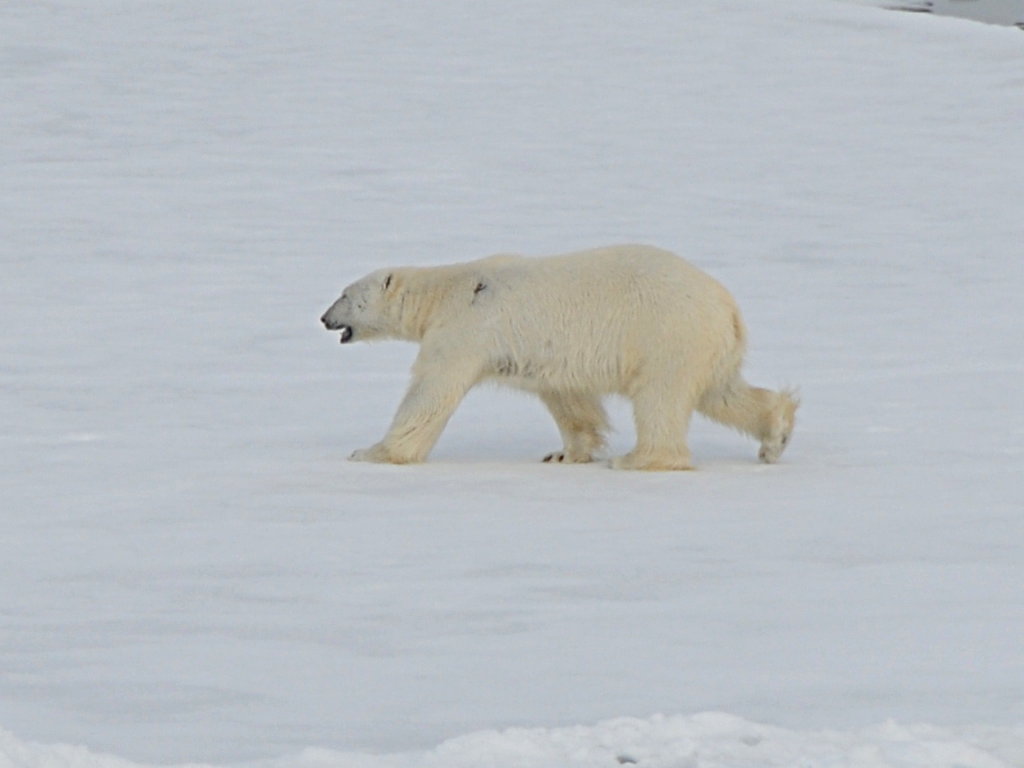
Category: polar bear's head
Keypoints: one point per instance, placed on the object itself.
(365, 310)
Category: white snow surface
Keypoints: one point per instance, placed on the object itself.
(191, 571)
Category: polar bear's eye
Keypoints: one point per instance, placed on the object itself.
(387, 282)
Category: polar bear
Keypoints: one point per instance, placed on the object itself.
(631, 320)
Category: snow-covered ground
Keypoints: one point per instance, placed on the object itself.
(191, 571)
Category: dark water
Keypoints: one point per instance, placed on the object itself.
(1007, 12)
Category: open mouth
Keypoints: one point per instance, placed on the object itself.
(346, 333)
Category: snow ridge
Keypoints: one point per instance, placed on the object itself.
(707, 740)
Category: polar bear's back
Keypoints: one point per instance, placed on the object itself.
(598, 314)
(603, 284)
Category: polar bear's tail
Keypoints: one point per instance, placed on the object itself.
(764, 414)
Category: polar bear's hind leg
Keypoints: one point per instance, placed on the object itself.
(763, 414)
(582, 422)
(662, 415)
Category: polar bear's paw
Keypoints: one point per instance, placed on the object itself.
(772, 448)
(567, 457)
(781, 418)
(374, 453)
(379, 454)
(666, 462)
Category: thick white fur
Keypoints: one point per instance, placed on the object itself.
(631, 320)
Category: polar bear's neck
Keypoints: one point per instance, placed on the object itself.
(424, 295)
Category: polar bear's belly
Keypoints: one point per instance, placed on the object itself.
(536, 374)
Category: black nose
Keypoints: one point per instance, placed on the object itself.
(324, 321)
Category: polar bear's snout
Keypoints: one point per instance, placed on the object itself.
(330, 323)
(333, 324)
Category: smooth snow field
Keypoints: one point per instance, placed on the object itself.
(191, 571)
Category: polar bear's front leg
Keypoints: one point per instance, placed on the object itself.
(432, 398)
